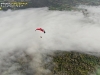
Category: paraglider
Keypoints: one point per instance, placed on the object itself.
(41, 29)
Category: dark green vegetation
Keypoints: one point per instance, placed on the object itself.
(65, 63)
(52, 4)
(59, 63)
(74, 63)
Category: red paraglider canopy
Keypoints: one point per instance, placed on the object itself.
(40, 29)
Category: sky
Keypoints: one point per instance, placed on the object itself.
(65, 31)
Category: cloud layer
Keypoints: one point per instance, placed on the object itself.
(65, 30)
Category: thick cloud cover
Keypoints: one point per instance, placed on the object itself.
(65, 30)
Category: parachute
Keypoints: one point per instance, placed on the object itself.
(40, 29)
